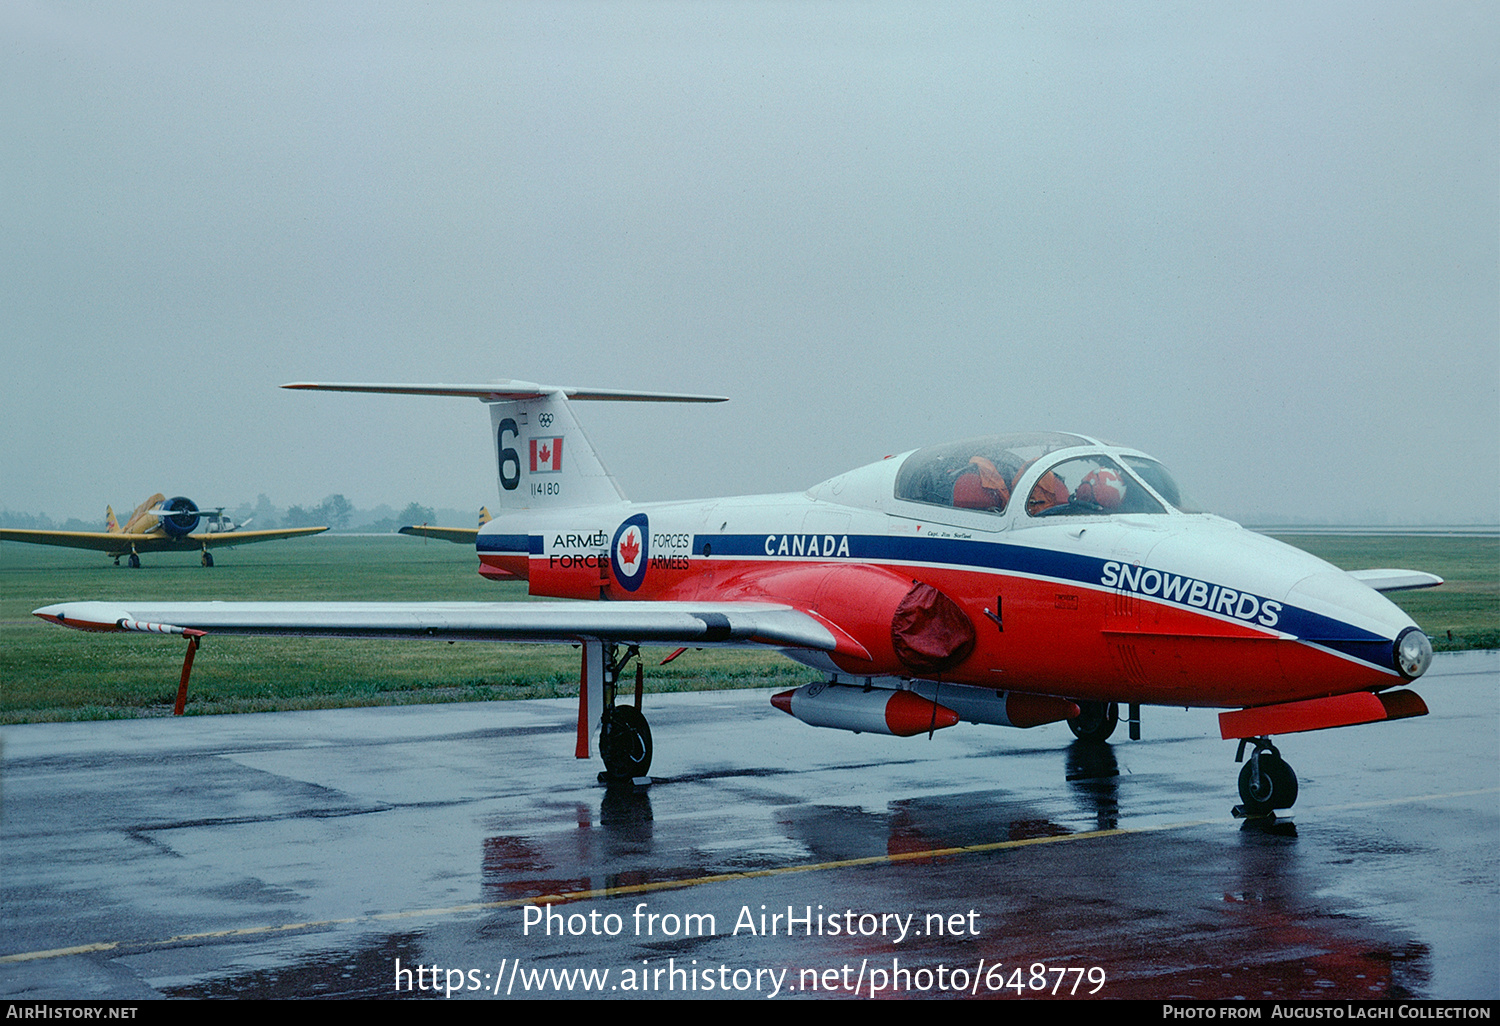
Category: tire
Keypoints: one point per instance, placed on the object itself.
(1095, 721)
(625, 742)
(1278, 785)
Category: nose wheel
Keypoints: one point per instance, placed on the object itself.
(1267, 782)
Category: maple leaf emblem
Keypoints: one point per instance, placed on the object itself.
(544, 453)
(629, 549)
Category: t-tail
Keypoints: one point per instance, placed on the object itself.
(542, 457)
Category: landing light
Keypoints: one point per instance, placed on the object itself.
(1413, 653)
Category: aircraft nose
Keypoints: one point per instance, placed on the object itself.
(1357, 620)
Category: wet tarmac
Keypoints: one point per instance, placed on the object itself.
(347, 853)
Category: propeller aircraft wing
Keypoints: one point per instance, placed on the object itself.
(158, 525)
(459, 535)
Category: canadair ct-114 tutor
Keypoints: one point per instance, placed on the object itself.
(158, 525)
(1013, 580)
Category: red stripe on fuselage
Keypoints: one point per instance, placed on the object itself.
(1055, 637)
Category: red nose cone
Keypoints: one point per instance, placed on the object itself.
(783, 701)
(908, 714)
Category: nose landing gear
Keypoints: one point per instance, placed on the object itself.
(1267, 782)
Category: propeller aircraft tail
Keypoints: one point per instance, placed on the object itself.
(143, 520)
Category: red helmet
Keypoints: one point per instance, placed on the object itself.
(1103, 487)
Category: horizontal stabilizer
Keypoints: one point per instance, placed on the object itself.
(510, 391)
(1396, 580)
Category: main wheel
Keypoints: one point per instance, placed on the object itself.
(135, 561)
(208, 558)
(1095, 721)
(625, 742)
(1277, 788)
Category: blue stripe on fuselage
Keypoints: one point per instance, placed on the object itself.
(509, 544)
(1092, 571)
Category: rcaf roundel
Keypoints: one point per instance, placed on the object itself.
(627, 554)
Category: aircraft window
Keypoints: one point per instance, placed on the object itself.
(1088, 485)
(1157, 476)
(975, 474)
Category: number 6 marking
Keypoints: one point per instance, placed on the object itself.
(510, 480)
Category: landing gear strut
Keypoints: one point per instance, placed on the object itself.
(624, 734)
(1267, 783)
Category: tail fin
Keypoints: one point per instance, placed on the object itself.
(142, 521)
(484, 515)
(543, 458)
(111, 525)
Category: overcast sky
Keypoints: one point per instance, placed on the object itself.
(1258, 240)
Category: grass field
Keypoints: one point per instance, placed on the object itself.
(49, 674)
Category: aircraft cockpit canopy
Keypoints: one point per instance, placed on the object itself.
(983, 474)
(977, 473)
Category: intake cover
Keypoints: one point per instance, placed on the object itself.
(930, 632)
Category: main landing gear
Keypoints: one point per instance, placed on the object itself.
(208, 558)
(624, 734)
(1267, 783)
(1095, 721)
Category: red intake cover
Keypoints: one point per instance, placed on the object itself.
(930, 632)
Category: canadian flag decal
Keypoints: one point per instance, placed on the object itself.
(546, 455)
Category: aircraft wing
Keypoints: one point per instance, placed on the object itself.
(461, 535)
(682, 623)
(1396, 580)
(100, 541)
(119, 542)
(215, 539)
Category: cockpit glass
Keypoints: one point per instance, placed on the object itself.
(977, 473)
(1088, 485)
(1158, 477)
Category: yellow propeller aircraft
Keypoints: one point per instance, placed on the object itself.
(158, 525)
(459, 535)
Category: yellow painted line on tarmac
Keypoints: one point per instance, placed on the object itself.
(186, 939)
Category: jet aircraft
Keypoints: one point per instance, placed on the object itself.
(1012, 580)
(158, 525)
